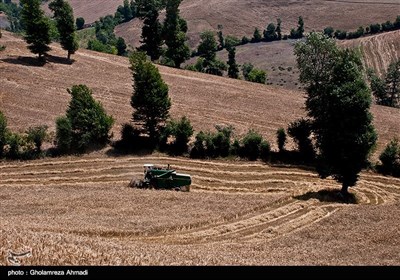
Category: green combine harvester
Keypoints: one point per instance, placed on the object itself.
(162, 178)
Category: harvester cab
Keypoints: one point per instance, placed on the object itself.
(162, 178)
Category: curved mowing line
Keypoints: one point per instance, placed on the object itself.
(136, 166)
(243, 223)
(235, 190)
(130, 159)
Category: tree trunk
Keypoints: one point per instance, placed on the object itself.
(345, 189)
(69, 55)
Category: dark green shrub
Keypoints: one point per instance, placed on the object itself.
(199, 149)
(181, 131)
(63, 134)
(86, 123)
(265, 150)
(235, 148)
(281, 139)
(390, 159)
(300, 131)
(257, 76)
(37, 135)
(251, 145)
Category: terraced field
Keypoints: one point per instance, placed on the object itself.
(83, 203)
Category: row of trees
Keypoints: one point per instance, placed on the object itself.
(172, 32)
(386, 89)
(209, 63)
(26, 145)
(37, 26)
(361, 31)
(105, 40)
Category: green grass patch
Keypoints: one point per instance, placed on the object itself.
(85, 35)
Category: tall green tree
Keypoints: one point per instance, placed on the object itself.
(174, 31)
(256, 36)
(86, 122)
(233, 67)
(208, 46)
(150, 99)
(208, 54)
(152, 29)
(270, 33)
(300, 28)
(393, 83)
(338, 104)
(221, 38)
(80, 22)
(386, 90)
(279, 29)
(36, 27)
(64, 17)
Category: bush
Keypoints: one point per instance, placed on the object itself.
(181, 131)
(199, 150)
(80, 22)
(37, 135)
(235, 148)
(300, 131)
(231, 41)
(15, 143)
(265, 150)
(257, 76)
(390, 159)
(221, 141)
(251, 145)
(246, 69)
(213, 145)
(328, 31)
(374, 28)
(63, 134)
(340, 34)
(86, 122)
(281, 139)
(245, 40)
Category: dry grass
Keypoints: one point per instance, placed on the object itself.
(92, 10)
(236, 213)
(27, 91)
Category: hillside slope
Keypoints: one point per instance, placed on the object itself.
(378, 50)
(278, 58)
(92, 10)
(33, 95)
(240, 17)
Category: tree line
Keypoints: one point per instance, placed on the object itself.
(361, 31)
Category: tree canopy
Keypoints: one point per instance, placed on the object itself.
(64, 17)
(36, 27)
(338, 104)
(150, 99)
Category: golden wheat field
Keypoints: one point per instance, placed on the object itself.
(79, 211)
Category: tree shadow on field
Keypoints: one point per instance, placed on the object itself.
(25, 61)
(34, 61)
(59, 59)
(329, 195)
